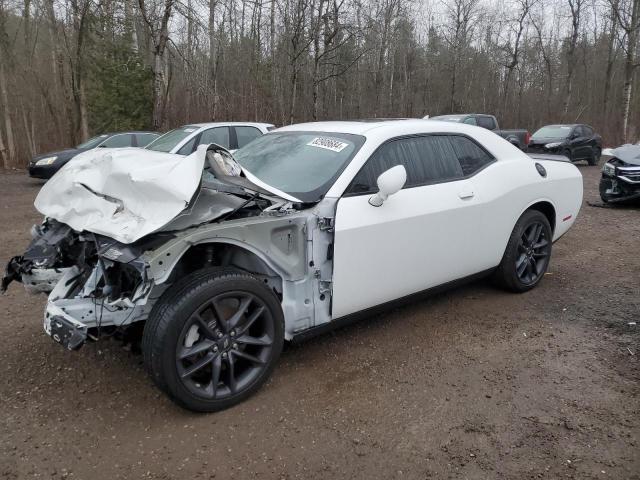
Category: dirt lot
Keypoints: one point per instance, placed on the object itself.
(475, 383)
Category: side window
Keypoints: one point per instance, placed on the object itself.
(427, 159)
(145, 139)
(218, 135)
(471, 157)
(470, 121)
(118, 141)
(246, 134)
(586, 131)
(487, 122)
(187, 148)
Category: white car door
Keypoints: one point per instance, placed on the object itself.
(421, 237)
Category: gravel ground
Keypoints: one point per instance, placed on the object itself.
(474, 383)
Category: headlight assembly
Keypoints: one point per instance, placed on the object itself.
(609, 170)
(46, 161)
(553, 145)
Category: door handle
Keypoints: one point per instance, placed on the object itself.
(466, 194)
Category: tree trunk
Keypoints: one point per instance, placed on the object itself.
(10, 151)
(629, 67)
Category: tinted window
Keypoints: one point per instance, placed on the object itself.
(117, 141)
(246, 134)
(553, 131)
(145, 139)
(471, 157)
(218, 135)
(588, 131)
(426, 159)
(470, 121)
(486, 122)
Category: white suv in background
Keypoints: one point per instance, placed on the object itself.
(230, 135)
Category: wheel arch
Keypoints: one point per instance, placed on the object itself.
(547, 209)
(226, 253)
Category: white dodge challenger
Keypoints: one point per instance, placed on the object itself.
(216, 259)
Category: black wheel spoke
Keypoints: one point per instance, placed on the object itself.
(197, 366)
(231, 373)
(521, 264)
(252, 318)
(201, 346)
(219, 315)
(253, 359)
(249, 340)
(540, 244)
(204, 326)
(216, 367)
(236, 317)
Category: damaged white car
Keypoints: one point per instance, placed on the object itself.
(218, 260)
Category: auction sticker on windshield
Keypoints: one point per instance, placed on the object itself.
(328, 144)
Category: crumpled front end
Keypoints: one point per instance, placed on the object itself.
(95, 284)
(620, 181)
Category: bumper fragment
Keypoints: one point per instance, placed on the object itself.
(71, 336)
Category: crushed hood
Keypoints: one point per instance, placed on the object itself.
(124, 193)
(627, 153)
(127, 193)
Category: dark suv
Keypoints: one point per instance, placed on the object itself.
(574, 141)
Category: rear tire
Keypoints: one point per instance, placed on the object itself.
(595, 157)
(213, 339)
(527, 255)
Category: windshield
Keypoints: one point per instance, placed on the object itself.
(302, 164)
(448, 118)
(553, 131)
(92, 142)
(169, 140)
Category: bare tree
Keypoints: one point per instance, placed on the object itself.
(462, 16)
(157, 19)
(628, 15)
(575, 8)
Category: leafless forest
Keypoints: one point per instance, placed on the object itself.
(72, 68)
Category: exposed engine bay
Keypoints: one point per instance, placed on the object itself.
(99, 285)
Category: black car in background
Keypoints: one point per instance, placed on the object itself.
(574, 141)
(620, 182)
(45, 165)
(519, 138)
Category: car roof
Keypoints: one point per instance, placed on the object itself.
(368, 128)
(111, 134)
(227, 124)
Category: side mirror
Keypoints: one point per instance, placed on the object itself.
(389, 182)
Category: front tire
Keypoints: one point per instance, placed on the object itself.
(213, 339)
(595, 157)
(527, 255)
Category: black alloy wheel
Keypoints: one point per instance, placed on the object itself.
(213, 338)
(528, 252)
(225, 345)
(534, 252)
(594, 159)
